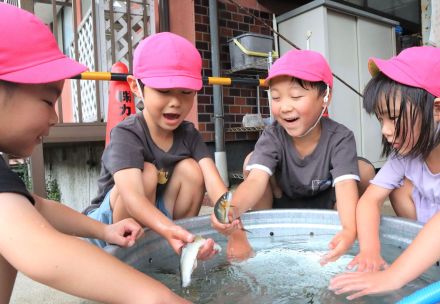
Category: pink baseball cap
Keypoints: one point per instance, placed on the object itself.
(166, 60)
(28, 50)
(302, 64)
(417, 67)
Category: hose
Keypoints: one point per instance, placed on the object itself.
(428, 295)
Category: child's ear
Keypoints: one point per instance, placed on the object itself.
(437, 109)
(133, 86)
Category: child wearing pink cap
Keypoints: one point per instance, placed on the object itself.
(36, 233)
(303, 160)
(156, 165)
(404, 94)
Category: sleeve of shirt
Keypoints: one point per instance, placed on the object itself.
(344, 159)
(266, 153)
(392, 173)
(199, 149)
(124, 151)
(11, 182)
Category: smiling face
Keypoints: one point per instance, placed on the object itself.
(165, 109)
(296, 108)
(26, 114)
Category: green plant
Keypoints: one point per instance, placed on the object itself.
(23, 171)
(53, 190)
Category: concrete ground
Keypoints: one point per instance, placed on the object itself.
(27, 291)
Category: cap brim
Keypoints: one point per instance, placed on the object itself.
(373, 67)
(55, 70)
(292, 73)
(393, 70)
(169, 82)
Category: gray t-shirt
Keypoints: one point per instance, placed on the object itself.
(334, 159)
(131, 145)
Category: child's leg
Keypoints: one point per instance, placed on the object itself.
(366, 173)
(272, 189)
(184, 193)
(402, 201)
(149, 178)
(7, 279)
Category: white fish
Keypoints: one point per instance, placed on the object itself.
(188, 258)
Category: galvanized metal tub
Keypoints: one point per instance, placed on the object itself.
(152, 252)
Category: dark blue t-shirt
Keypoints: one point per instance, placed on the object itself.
(11, 182)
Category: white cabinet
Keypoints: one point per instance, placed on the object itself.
(347, 37)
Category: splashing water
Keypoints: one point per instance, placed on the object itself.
(284, 270)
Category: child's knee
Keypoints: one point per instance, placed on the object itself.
(150, 178)
(190, 170)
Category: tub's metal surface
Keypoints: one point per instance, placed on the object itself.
(153, 251)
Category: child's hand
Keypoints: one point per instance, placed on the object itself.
(123, 233)
(207, 251)
(225, 229)
(368, 262)
(238, 248)
(178, 237)
(339, 245)
(359, 284)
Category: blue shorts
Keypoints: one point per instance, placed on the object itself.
(104, 214)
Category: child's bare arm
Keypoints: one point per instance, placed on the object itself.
(131, 190)
(368, 221)
(346, 198)
(213, 182)
(423, 252)
(31, 245)
(250, 191)
(69, 221)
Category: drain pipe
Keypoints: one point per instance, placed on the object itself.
(220, 153)
(164, 13)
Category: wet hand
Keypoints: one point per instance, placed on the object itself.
(225, 229)
(359, 284)
(368, 262)
(207, 251)
(339, 245)
(238, 247)
(123, 233)
(177, 237)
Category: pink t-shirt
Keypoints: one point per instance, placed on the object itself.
(426, 191)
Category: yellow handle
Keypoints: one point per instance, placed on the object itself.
(253, 53)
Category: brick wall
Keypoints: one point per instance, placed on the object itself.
(237, 100)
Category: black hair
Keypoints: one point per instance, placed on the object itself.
(320, 86)
(421, 105)
(8, 86)
(141, 85)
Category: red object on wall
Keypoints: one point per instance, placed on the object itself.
(120, 101)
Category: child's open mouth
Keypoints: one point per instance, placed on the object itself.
(171, 116)
(291, 119)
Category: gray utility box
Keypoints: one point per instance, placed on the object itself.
(347, 37)
(250, 51)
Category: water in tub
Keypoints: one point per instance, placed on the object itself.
(284, 270)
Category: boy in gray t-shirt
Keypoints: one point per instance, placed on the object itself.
(302, 160)
(156, 166)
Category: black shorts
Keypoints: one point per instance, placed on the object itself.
(323, 200)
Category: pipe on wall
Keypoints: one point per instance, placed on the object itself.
(164, 16)
(220, 153)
